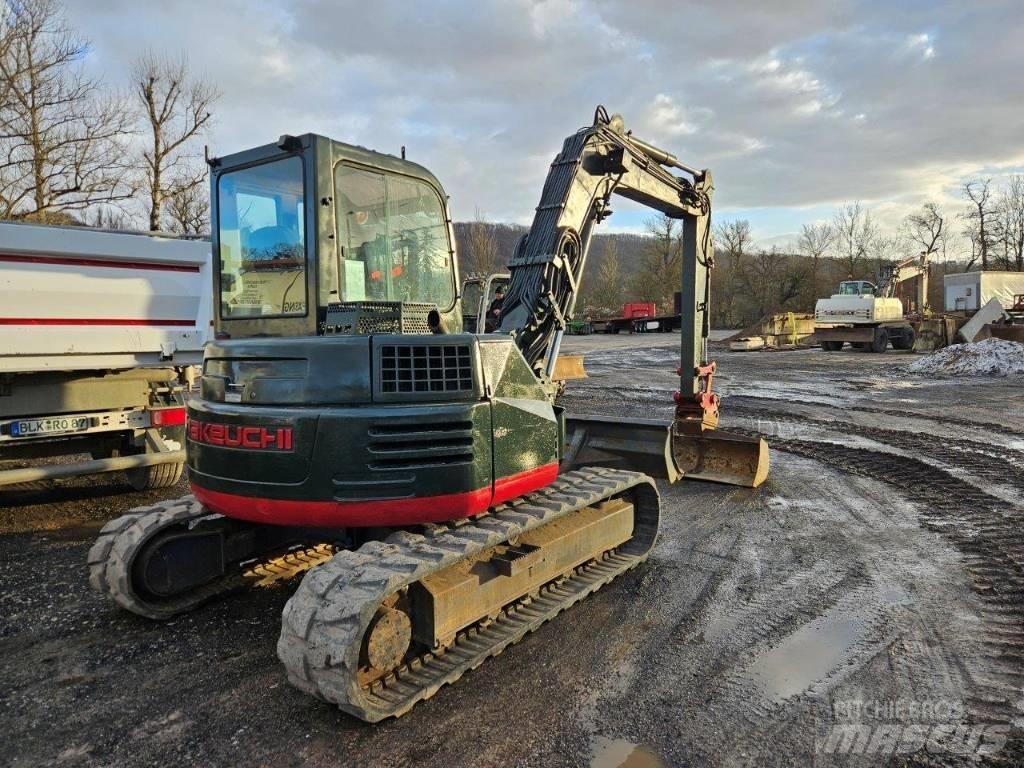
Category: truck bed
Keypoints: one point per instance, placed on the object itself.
(81, 299)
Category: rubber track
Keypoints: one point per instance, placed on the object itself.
(121, 539)
(987, 534)
(325, 620)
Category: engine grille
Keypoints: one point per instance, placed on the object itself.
(366, 317)
(426, 368)
(414, 446)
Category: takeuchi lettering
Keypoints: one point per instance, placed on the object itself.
(248, 438)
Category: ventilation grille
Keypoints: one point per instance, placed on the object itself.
(365, 317)
(426, 368)
(413, 446)
(829, 314)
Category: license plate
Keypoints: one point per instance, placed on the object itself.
(49, 426)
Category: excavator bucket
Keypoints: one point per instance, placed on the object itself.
(722, 457)
(655, 448)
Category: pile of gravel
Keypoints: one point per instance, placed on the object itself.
(991, 357)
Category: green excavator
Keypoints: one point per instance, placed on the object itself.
(442, 501)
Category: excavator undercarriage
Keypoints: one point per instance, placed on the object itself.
(348, 424)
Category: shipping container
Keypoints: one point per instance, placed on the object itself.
(970, 291)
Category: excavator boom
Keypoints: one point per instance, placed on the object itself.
(546, 272)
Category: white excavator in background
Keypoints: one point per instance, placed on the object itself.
(868, 317)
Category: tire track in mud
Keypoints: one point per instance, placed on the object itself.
(990, 541)
(996, 464)
(906, 414)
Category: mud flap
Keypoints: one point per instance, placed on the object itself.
(657, 449)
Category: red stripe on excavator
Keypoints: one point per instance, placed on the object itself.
(361, 514)
(506, 488)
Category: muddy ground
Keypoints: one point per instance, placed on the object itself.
(872, 590)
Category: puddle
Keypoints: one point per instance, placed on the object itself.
(619, 753)
(805, 657)
(815, 651)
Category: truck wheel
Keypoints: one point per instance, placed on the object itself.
(905, 340)
(881, 341)
(158, 476)
(831, 346)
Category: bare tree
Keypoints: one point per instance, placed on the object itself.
(607, 293)
(177, 109)
(188, 211)
(107, 217)
(732, 242)
(661, 265)
(734, 236)
(814, 242)
(59, 138)
(1010, 232)
(926, 228)
(854, 234)
(979, 217)
(483, 246)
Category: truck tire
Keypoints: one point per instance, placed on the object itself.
(831, 346)
(881, 340)
(905, 340)
(157, 476)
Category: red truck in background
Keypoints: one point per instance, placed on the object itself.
(637, 317)
(639, 310)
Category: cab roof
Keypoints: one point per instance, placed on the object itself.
(326, 148)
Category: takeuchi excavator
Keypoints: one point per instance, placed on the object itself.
(442, 501)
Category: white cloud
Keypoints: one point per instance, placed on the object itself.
(794, 103)
(667, 117)
(921, 45)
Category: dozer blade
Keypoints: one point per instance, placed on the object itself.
(654, 447)
(641, 445)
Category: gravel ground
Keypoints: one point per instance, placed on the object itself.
(875, 580)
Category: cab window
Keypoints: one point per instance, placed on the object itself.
(393, 239)
(262, 240)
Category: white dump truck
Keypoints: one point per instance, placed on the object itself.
(869, 317)
(98, 334)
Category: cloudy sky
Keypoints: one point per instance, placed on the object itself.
(795, 105)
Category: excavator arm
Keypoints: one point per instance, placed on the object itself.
(546, 272)
(917, 266)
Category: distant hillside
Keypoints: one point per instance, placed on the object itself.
(507, 235)
(763, 281)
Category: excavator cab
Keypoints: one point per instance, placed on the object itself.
(478, 294)
(341, 391)
(309, 224)
(857, 288)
